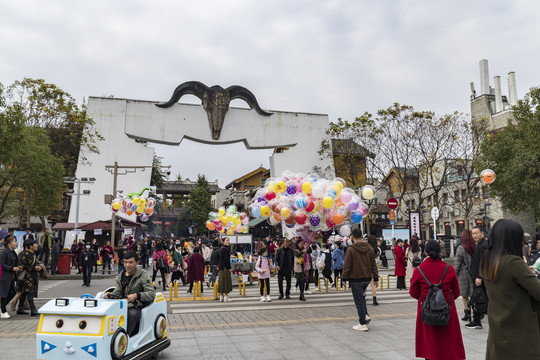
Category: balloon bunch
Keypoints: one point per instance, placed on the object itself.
(228, 221)
(308, 202)
(135, 203)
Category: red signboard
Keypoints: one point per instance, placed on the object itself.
(391, 215)
(392, 203)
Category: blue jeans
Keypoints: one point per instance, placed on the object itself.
(358, 288)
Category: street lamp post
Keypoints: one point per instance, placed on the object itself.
(78, 194)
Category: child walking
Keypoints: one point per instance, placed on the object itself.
(263, 267)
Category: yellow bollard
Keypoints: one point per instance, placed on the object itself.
(388, 281)
(319, 284)
(381, 278)
(405, 282)
(199, 289)
(337, 283)
(176, 289)
(344, 286)
(170, 293)
(194, 291)
(326, 284)
(243, 288)
(215, 290)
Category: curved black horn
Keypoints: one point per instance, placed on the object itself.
(240, 92)
(196, 88)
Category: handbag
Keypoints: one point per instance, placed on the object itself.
(21, 274)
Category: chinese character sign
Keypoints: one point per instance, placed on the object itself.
(414, 224)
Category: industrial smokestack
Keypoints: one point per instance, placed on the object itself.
(512, 88)
(498, 94)
(484, 77)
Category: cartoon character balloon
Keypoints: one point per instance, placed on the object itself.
(135, 203)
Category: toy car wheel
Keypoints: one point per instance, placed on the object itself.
(119, 344)
(160, 326)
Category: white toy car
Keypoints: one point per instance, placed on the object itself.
(95, 328)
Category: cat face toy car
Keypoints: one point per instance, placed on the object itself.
(95, 328)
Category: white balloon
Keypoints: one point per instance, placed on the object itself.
(345, 230)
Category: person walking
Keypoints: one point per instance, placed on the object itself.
(372, 241)
(399, 270)
(224, 267)
(360, 269)
(437, 342)
(301, 265)
(464, 257)
(263, 266)
(214, 262)
(284, 266)
(195, 268)
(338, 257)
(29, 264)
(107, 254)
(384, 259)
(412, 252)
(178, 265)
(160, 263)
(95, 248)
(56, 251)
(87, 259)
(46, 242)
(481, 246)
(9, 267)
(511, 288)
(326, 257)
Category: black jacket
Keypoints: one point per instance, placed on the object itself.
(224, 258)
(475, 266)
(214, 257)
(87, 258)
(285, 260)
(8, 260)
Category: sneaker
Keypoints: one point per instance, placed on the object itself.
(221, 297)
(308, 292)
(474, 325)
(263, 299)
(268, 299)
(226, 298)
(4, 315)
(360, 327)
(368, 319)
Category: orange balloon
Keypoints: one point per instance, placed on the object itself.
(210, 225)
(338, 218)
(487, 176)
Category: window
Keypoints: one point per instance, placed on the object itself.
(445, 198)
(456, 196)
(463, 194)
(476, 193)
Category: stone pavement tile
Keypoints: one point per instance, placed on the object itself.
(288, 344)
(271, 336)
(214, 340)
(301, 353)
(389, 355)
(262, 355)
(236, 339)
(270, 330)
(333, 350)
(180, 334)
(184, 342)
(240, 331)
(187, 350)
(254, 346)
(233, 356)
(208, 333)
(217, 349)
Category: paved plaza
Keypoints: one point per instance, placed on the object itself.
(320, 328)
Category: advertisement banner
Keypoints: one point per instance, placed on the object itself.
(414, 224)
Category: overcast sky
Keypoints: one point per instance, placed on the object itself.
(340, 58)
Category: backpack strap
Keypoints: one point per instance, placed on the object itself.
(443, 275)
(424, 276)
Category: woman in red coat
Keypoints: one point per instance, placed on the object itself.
(195, 268)
(437, 342)
(400, 265)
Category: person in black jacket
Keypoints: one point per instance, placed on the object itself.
(214, 262)
(224, 267)
(481, 246)
(56, 251)
(9, 263)
(87, 259)
(284, 266)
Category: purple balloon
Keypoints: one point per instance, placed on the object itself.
(291, 189)
(314, 220)
(353, 205)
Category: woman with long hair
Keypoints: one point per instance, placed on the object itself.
(511, 288)
(372, 241)
(412, 251)
(437, 342)
(464, 257)
(29, 263)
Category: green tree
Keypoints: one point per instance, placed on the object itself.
(199, 204)
(47, 106)
(158, 176)
(514, 154)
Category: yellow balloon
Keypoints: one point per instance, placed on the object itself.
(285, 212)
(222, 230)
(245, 229)
(336, 188)
(230, 232)
(306, 187)
(142, 201)
(135, 200)
(265, 210)
(116, 205)
(280, 186)
(327, 202)
(221, 211)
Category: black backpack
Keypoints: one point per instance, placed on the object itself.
(435, 309)
(479, 300)
(416, 261)
(160, 264)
